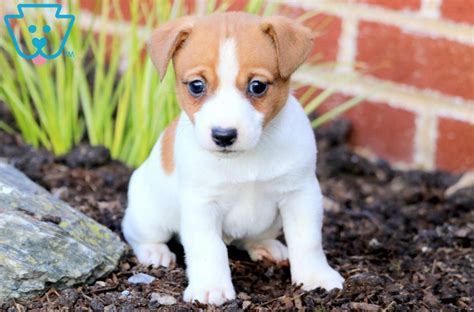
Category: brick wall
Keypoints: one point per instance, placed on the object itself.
(413, 58)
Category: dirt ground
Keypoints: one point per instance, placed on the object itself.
(398, 240)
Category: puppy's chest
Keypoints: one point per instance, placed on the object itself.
(249, 208)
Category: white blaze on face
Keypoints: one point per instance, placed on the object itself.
(228, 107)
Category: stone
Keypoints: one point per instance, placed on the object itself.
(45, 243)
(163, 299)
(125, 294)
(331, 205)
(141, 278)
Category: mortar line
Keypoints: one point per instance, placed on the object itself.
(407, 21)
(425, 140)
(394, 94)
(430, 8)
(347, 45)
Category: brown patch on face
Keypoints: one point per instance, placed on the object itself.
(258, 60)
(268, 49)
(167, 147)
(272, 104)
(197, 58)
(254, 60)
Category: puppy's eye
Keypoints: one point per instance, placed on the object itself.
(197, 87)
(256, 88)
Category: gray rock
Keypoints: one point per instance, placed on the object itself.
(46, 243)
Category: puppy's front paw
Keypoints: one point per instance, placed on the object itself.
(270, 249)
(328, 278)
(216, 295)
(155, 254)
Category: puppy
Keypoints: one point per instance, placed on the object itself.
(238, 164)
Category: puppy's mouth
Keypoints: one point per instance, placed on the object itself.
(225, 152)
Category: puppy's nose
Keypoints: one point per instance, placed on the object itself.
(224, 136)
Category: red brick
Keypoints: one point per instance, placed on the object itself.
(91, 6)
(125, 6)
(237, 5)
(385, 131)
(327, 29)
(394, 4)
(458, 10)
(190, 6)
(438, 64)
(455, 145)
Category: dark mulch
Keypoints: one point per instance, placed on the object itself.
(395, 237)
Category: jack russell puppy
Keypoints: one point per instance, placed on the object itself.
(238, 164)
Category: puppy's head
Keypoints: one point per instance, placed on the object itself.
(232, 72)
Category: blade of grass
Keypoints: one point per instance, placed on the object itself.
(337, 111)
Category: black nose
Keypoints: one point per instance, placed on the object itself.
(224, 137)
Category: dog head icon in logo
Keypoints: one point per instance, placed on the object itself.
(42, 49)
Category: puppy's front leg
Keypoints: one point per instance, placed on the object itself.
(302, 214)
(206, 254)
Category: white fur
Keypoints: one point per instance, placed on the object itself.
(228, 108)
(244, 199)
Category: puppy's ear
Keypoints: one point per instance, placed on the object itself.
(293, 42)
(166, 40)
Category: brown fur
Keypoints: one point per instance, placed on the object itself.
(293, 42)
(166, 39)
(167, 147)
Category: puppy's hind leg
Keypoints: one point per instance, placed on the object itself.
(149, 248)
(146, 235)
(155, 254)
(149, 217)
(267, 246)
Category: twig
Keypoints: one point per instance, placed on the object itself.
(281, 297)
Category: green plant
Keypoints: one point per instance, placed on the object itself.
(36, 95)
(98, 97)
(145, 105)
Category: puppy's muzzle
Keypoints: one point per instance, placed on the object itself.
(224, 137)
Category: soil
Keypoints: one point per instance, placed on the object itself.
(398, 240)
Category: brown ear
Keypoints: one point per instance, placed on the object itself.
(292, 40)
(165, 40)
